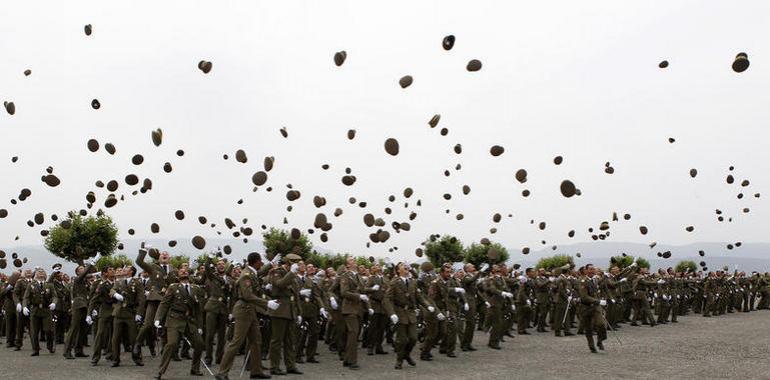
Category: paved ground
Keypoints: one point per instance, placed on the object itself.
(736, 346)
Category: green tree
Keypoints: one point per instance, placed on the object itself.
(686, 264)
(177, 260)
(115, 261)
(555, 261)
(447, 249)
(280, 241)
(79, 238)
(624, 261)
(478, 254)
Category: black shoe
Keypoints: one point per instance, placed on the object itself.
(207, 361)
(115, 364)
(221, 377)
(442, 351)
(558, 333)
(17, 348)
(600, 346)
(410, 361)
(196, 373)
(471, 348)
(354, 366)
(399, 365)
(157, 377)
(300, 360)
(294, 371)
(186, 356)
(567, 333)
(176, 358)
(634, 324)
(94, 363)
(525, 332)
(464, 349)
(312, 360)
(152, 351)
(260, 376)
(425, 358)
(494, 347)
(593, 350)
(277, 372)
(451, 355)
(80, 355)
(68, 355)
(381, 352)
(36, 353)
(370, 353)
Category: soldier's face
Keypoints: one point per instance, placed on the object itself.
(164, 258)
(221, 266)
(183, 273)
(310, 269)
(110, 273)
(40, 275)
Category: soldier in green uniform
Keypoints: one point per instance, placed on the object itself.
(542, 284)
(61, 313)
(401, 302)
(377, 286)
(100, 306)
(709, 294)
(469, 282)
(9, 308)
(79, 296)
(523, 303)
(161, 275)
(18, 297)
(313, 307)
(354, 302)
(496, 294)
(592, 310)
(40, 301)
(285, 320)
(181, 312)
(128, 293)
(641, 285)
(217, 284)
(455, 301)
(561, 297)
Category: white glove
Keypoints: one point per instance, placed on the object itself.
(157, 324)
(146, 293)
(513, 307)
(551, 279)
(268, 286)
(89, 320)
(371, 311)
(276, 259)
(9, 287)
(18, 307)
(200, 331)
(272, 304)
(487, 304)
(661, 281)
(26, 312)
(655, 295)
(394, 319)
(466, 307)
(333, 303)
(569, 298)
(440, 316)
(305, 292)
(324, 313)
(138, 318)
(95, 313)
(507, 295)
(431, 309)
(118, 297)
(602, 303)
(230, 317)
(529, 303)
(299, 319)
(364, 297)
(459, 290)
(522, 279)
(375, 287)
(294, 268)
(623, 279)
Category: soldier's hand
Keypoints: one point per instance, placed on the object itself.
(89, 320)
(529, 303)
(138, 318)
(440, 316)
(602, 303)
(200, 331)
(272, 304)
(95, 313)
(299, 319)
(623, 279)
(18, 307)
(394, 318)
(364, 297)
(324, 313)
(230, 317)
(268, 286)
(507, 295)
(488, 304)
(118, 297)
(157, 324)
(52, 306)
(459, 290)
(25, 311)
(431, 309)
(371, 311)
(305, 292)
(294, 268)
(276, 259)
(333, 303)
(466, 307)
(375, 287)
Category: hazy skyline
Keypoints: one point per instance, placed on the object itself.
(579, 80)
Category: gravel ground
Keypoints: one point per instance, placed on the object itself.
(735, 346)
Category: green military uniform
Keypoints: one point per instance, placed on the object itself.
(592, 312)
(542, 286)
(403, 298)
(351, 289)
(11, 316)
(101, 302)
(161, 276)
(283, 321)
(79, 307)
(311, 304)
(561, 296)
(377, 321)
(247, 304)
(124, 315)
(469, 283)
(454, 303)
(21, 320)
(38, 298)
(218, 288)
(523, 307)
(181, 312)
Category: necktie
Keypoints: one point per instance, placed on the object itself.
(165, 269)
(187, 289)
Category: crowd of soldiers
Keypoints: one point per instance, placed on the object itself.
(278, 310)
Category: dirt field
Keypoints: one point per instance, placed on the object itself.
(734, 346)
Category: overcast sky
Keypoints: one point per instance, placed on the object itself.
(576, 79)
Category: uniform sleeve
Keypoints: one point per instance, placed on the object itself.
(584, 297)
(25, 299)
(347, 291)
(165, 304)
